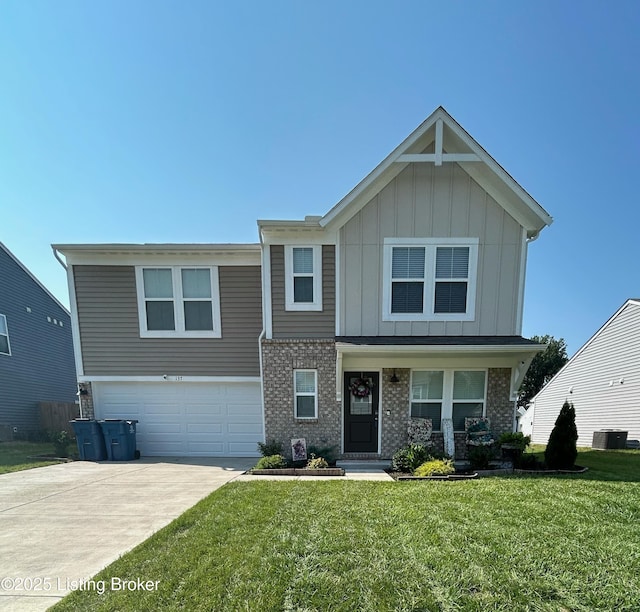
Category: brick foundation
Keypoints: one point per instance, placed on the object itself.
(280, 359)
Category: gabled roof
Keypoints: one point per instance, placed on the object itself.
(451, 144)
(33, 278)
(635, 302)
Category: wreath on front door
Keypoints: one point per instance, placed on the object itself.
(360, 387)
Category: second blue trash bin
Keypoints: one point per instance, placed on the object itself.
(90, 440)
(119, 439)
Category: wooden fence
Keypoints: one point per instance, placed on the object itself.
(55, 416)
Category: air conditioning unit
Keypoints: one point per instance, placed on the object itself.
(607, 439)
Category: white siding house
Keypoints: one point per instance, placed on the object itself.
(602, 380)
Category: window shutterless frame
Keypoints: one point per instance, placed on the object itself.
(454, 398)
(305, 394)
(303, 262)
(434, 284)
(5, 345)
(187, 299)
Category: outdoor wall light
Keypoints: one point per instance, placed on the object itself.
(394, 379)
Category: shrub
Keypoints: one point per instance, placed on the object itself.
(517, 439)
(317, 463)
(330, 453)
(272, 462)
(529, 461)
(270, 448)
(561, 451)
(440, 467)
(480, 456)
(408, 458)
(61, 441)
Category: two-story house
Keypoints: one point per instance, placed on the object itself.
(404, 301)
(36, 349)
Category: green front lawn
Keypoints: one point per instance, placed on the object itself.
(502, 543)
(16, 456)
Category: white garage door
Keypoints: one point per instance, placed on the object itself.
(186, 419)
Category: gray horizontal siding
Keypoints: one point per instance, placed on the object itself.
(41, 365)
(303, 324)
(426, 201)
(612, 355)
(110, 337)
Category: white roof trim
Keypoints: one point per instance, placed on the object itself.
(156, 248)
(53, 297)
(392, 165)
(629, 302)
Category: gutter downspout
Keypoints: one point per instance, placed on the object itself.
(528, 241)
(262, 336)
(56, 254)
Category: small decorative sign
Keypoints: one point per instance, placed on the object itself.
(299, 449)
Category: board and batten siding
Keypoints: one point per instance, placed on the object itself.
(41, 367)
(110, 333)
(427, 201)
(303, 324)
(593, 375)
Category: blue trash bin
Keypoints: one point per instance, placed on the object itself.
(89, 439)
(119, 439)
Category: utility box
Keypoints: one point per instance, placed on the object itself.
(89, 439)
(609, 439)
(119, 439)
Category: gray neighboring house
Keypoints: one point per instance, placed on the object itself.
(602, 380)
(410, 288)
(36, 348)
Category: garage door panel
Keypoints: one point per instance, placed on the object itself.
(199, 419)
(245, 428)
(204, 429)
(242, 449)
(153, 427)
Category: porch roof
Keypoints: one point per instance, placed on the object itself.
(464, 343)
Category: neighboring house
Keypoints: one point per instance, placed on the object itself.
(410, 288)
(36, 348)
(602, 380)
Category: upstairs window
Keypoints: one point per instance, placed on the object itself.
(452, 279)
(303, 277)
(5, 348)
(429, 279)
(178, 302)
(407, 279)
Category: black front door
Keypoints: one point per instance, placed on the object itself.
(361, 395)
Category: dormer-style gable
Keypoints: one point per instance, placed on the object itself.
(441, 140)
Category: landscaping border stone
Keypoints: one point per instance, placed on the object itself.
(298, 472)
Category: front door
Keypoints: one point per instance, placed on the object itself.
(361, 396)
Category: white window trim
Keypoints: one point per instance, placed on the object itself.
(6, 326)
(430, 245)
(447, 391)
(316, 305)
(178, 302)
(297, 394)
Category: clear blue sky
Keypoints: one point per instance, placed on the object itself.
(156, 121)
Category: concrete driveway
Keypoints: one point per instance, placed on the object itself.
(60, 525)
